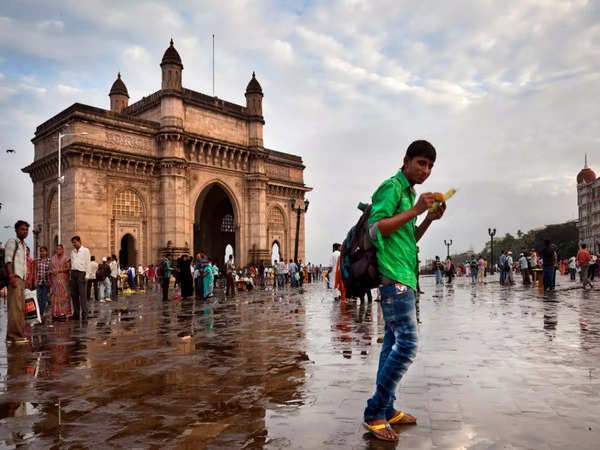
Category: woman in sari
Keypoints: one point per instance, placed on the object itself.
(208, 280)
(30, 275)
(60, 264)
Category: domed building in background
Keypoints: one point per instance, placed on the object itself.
(175, 172)
(588, 201)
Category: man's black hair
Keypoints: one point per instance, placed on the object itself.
(547, 242)
(583, 246)
(44, 247)
(20, 223)
(421, 148)
(76, 238)
(92, 258)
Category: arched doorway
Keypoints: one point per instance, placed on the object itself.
(275, 254)
(214, 223)
(127, 254)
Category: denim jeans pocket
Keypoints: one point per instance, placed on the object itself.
(395, 308)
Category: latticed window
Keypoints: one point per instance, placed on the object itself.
(127, 203)
(53, 213)
(276, 217)
(227, 224)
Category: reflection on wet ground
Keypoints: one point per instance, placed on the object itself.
(497, 367)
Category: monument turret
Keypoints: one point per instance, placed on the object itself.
(119, 97)
(254, 96)
(171, 68)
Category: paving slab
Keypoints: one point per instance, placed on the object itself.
(497, 367)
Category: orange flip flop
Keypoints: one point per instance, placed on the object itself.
(401, 417)
(375, 430)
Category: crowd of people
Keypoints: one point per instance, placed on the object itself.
(533, 266)
(65, 282)
(200, 275)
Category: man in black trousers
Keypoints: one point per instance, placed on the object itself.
(80, 267)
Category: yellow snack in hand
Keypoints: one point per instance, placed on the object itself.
(443, 199)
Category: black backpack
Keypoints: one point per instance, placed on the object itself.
(358, 258)
(160, 270)
(3, 270)
(103, 272)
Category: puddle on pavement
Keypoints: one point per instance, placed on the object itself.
(277, 370)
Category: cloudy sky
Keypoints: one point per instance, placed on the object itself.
(506, 91)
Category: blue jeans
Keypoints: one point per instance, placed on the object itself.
(280, 279)
(42, 297)
(398, 350)
(548, 277)
(474, 274)
(104, 288)
(438, 277)
(502, 276)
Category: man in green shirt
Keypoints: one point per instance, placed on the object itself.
(393, 230)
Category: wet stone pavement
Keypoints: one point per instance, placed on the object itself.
(496, 367)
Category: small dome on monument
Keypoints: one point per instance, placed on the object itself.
(586, 175)
(254, 86)
(171, 56)
(118, 87)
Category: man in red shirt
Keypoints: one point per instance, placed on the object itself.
(583, 261)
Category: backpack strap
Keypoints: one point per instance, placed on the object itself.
(12, 261)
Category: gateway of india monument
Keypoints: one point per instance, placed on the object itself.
(178, 171)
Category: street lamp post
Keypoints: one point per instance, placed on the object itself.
(492, 233)
(61, 179)
(448, 244)
(299, 211)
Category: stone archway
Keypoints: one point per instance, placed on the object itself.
(215, 222)
(127, 253)
(277, 230)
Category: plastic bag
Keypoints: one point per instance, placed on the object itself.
(32, 309)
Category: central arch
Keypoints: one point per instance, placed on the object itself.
(215, 223)
(127, 253)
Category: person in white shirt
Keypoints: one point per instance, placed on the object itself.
(15, 258)
(572, 267)
(114, 276)
(80, 267)
(509, 275)
(91, 276)
(333, 262)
